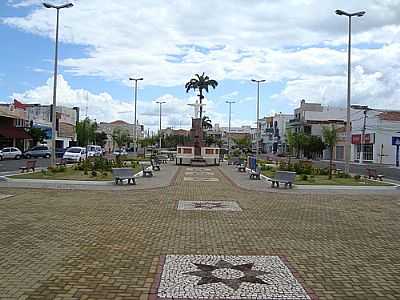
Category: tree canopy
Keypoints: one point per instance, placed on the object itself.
(86, 132)
(200, 83)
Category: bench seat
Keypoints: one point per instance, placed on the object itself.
(283, 177)
(120, 174)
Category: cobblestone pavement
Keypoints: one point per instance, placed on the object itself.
(161, 178)
(242, 180)
(58, 244)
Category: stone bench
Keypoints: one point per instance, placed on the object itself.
(120, 174)
(283, 177)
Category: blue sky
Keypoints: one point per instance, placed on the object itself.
(103, 43)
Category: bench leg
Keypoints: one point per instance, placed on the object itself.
(277, 184)
(290, 185)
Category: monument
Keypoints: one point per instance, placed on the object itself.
(196, 152)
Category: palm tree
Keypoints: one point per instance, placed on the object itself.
(200, 82)
(330, 139)
(206, 123)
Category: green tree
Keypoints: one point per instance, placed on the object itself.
(101, 138)
(86, 132)
(206, 123)
(120, 137)
(200, 83)
(330, 138)
(244, 144)
(37, 134)
(314, 146)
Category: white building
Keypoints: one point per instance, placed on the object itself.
(109, 128)
(40, 116)
(273, 133)
(380, 128)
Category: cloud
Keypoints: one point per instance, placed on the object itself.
(299, 43)
(104, 107)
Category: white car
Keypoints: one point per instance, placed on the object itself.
(74, 154)
(11, 153)
(120, 152)
(94, 150)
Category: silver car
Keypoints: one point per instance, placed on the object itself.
(38, 151)
(11, 153)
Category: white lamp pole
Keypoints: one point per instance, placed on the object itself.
(258, 112)
(348, 121)
(161, 103)
(53, 113)
(135, 129)
(229, 126)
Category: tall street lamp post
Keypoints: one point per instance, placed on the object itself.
(161, 103)
(53, 113)
(258, 113)
(135, 129)
(229, 126)
(348, 125)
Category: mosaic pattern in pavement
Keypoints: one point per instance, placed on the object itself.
(228, 277)
(209, 205)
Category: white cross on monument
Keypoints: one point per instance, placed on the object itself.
(196, 106)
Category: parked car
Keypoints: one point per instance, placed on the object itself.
(74, 154)
(11, 153)
(1, 155)
(120, 152)
(94, 150)
(38, 151)
(60, 152)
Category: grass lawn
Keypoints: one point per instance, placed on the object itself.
(69, 174)
(323, 180)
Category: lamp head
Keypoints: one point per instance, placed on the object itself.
(360, 14)
(340, 12)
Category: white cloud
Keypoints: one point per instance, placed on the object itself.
(298, 42)
(104, 107)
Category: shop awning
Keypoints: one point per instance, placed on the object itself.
(15, 133)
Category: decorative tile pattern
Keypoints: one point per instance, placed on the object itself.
(228, 277)
(5, 196)
(198, 169)
(210, 179)
(209, 205)
(199, 173)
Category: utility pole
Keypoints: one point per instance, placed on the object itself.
(229, 126)
(258, 114)
(161, 103)
(135, 121)
(362, 150)
(348, 125)
(53, 113)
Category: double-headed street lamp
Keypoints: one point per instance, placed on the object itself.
(258, 112)
(161, 103)
(53, 113)
(348, 130)
(135, 129)
(229, 128)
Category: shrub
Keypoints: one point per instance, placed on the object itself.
(105, 174)
(357, 177)
(343, 175)
(304, 177)
(94, 173)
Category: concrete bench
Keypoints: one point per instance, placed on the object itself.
(30, 165)
(120, 174)
(242, 168)
(373, 173)
(255, 174)
(162, 159)
(155, 165)
(146, 172)
(283, 177)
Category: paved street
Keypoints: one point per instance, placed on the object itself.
(11, 165)
(390, 172)
(111, 245)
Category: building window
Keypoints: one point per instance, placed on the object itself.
(368, 152)
(339, 152)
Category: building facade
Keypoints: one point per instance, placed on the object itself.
(14, 125)
(109, 128)
(375, 139)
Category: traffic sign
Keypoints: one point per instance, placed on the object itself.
(396, 140)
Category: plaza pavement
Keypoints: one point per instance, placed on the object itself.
(70, 244)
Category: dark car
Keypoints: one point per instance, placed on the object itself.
(38, 151)
(60, 152)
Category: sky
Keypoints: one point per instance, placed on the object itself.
(298, 46)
